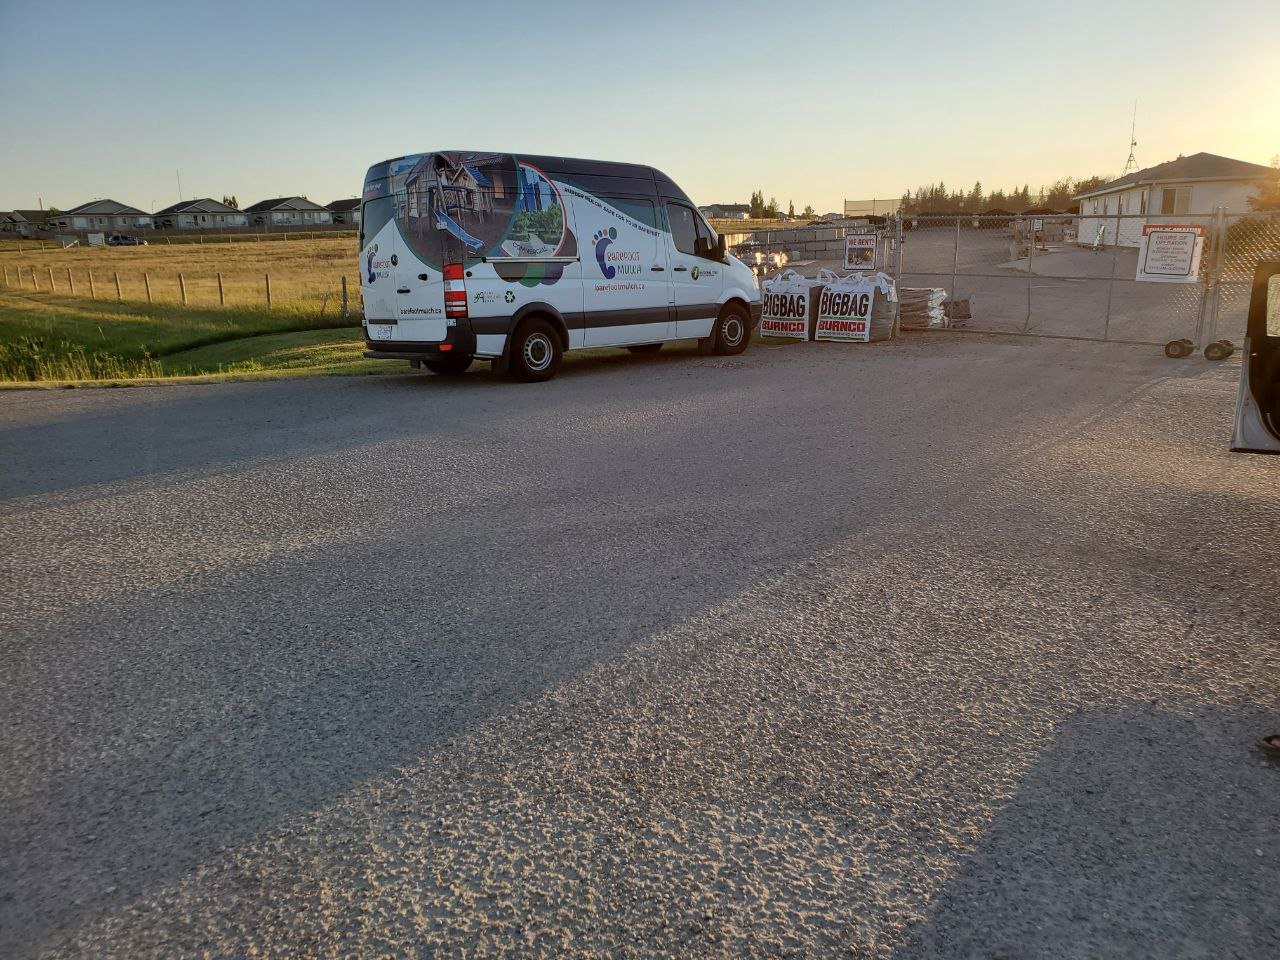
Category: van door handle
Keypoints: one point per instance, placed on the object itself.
(657, 269)
(424, 276)
(402, 290)
(681, 269)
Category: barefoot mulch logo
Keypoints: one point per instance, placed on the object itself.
(612, 261)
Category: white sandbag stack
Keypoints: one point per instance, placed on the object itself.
(855, 308)
(922, 307)
(790, 306)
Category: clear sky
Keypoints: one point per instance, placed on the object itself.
(810, 102)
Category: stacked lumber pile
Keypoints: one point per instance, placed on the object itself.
(922, 307)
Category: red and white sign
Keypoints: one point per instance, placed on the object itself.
(844, 311)
(1170, 252)
(860, 251)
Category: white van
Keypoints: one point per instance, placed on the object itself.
(516, 259)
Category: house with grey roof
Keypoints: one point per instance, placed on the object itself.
(203, 214)
(1188, 188)
(109, 216)
(346, 212)
(25, 223)
(287, 212)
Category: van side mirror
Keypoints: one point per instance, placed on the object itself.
(701, 247)
(720, 246)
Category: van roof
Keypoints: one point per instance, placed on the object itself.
(601, 174)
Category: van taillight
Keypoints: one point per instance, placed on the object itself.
(455, 291)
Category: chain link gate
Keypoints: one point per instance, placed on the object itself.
(1065, 275)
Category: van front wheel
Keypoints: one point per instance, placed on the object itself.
(733, 330)
(535, 352)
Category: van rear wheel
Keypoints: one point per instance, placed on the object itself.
(733, 330)
(449, 364)
(535, 352)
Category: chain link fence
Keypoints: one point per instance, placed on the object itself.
(1059, 275)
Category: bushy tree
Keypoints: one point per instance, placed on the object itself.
(231, 202)
(807, 211)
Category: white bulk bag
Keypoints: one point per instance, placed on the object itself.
(856, 307)
(789, 303)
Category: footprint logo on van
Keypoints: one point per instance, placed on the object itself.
(602, 239)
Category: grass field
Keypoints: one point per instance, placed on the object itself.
(305, 272)
(47, 337)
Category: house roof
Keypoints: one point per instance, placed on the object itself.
(1198, 166)
(342, 206)
(205, 205)
(30, 216)
(106, 208)
(283, 203)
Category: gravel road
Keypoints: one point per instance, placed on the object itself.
(952, 647)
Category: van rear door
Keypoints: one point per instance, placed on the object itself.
(1257, 426)
(419, 287)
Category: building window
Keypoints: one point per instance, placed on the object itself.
(1175, 200)
(1142, 203)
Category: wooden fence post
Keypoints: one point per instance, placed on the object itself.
(345, 313)
(182, 286)
(146, 280)
(268, 291)
(34, 285)
(6, 275)
(71, 282)
(52, 288)
(93, 294)
(222, 302)
(117, 276)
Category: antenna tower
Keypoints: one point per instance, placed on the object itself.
(1132, 162)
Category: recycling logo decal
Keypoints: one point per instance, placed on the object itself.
(511, 296)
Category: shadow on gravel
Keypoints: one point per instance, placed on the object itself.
(175, 429)
(1138, 833)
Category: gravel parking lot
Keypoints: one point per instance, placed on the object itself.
(949, 647)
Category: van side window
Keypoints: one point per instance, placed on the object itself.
(684, 229)
(637, 208)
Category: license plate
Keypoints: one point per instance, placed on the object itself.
(380, 331)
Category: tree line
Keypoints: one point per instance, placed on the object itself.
(938, 198)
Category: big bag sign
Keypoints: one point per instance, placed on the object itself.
(789, 301)
(845, 305)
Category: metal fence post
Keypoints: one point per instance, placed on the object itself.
(1031, 259)
(221, 299)
(1215, 274)
(955, 261)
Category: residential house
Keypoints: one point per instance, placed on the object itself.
(287, 212)
(105, 216)
(345, 212)
(726, 211)
(1188, 188)
(205, 214)
(24, 222)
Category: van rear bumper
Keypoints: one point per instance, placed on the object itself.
(459, 341)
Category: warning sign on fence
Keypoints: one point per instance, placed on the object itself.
(860, 251)
(1170, 252)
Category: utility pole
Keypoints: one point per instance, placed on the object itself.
(179, 173)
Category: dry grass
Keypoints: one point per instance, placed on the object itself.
(303, 272)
